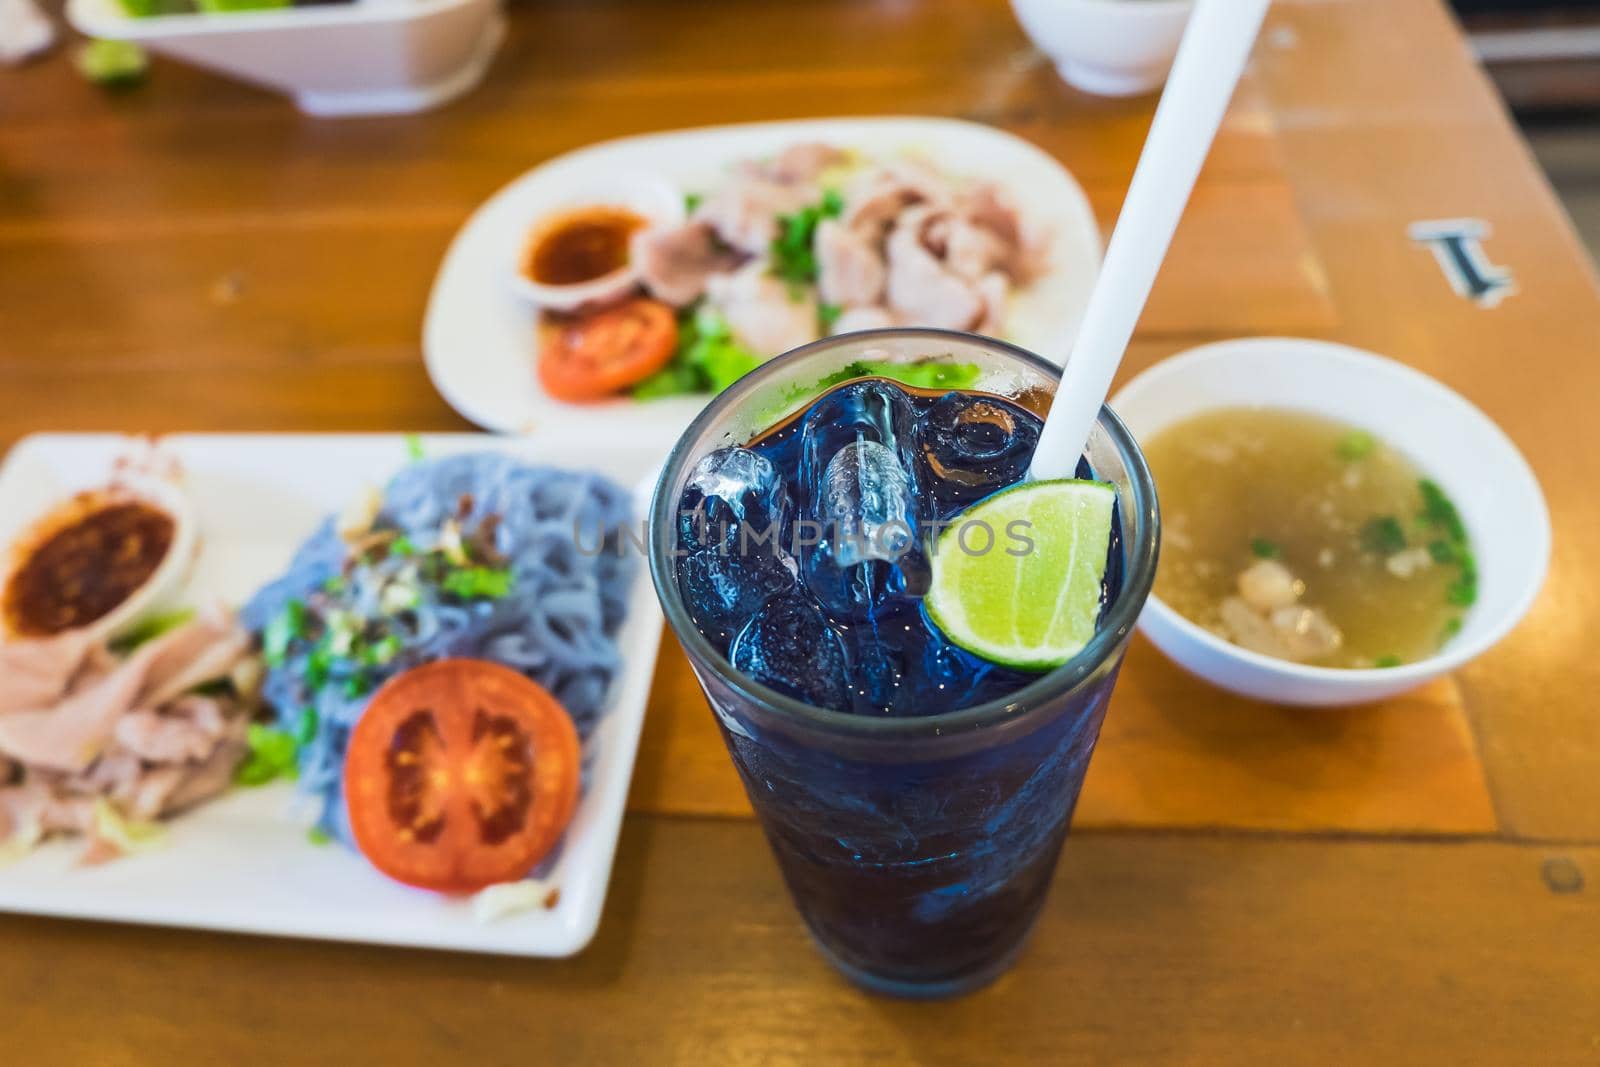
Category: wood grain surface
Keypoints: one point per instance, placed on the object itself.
(1173, 753)
(1412, 883)
(1152, 949)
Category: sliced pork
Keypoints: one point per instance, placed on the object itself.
(188, 730)
(922, 291)
(744, 210)
(904, 244)
(70, 734)
(994, 289)
(764, 313)
(22, 814)
(987, 207)
(973, 251)
(850, 271)
(877, 196)
(675, 261)
(127, 731)
(869, 318)
(803, 162)
(36, 672)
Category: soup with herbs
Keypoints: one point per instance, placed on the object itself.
(1303, 538)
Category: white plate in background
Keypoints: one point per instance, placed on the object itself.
(480, 341)
(240, 863)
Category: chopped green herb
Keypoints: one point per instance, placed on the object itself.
(692, 201)
(402, 546)
(1451, 628)
(289, 624)
(1261, 548)
(272, 755)
(1439, 513)
(115, 64)
(473, 583)
(828, 314)
(318, 836)
(1383, 535)
(305, 727)
(151, 628)
(1438, 510)
(318, 660)
(414, 449)
(357, 685)
(1464, 590)
(1386, 661)
(1357, 444)
(793, 258)
(383, 650)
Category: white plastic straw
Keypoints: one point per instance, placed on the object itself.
(1210, 58)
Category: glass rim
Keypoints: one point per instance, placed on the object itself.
(1140, 535)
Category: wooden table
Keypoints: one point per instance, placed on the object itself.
(1411, 884)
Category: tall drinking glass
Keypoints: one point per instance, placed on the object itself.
(918, 850)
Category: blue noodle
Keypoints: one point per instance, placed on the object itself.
(562, 535)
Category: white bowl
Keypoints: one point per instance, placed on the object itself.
(1107, 47)
(649, 196)
(1450, 440)
(163, 590)
(370, 57)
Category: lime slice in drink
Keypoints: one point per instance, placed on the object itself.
(1027, 605)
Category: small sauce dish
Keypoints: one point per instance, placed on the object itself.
(99, 562)
(1446, 437)
(576, 253)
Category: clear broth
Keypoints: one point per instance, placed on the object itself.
(1333, 505)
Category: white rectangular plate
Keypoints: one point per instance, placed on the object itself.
(241, 863)
(480, 340)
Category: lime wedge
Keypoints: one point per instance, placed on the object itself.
(1030, 607)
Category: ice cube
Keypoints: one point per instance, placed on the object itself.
(723, 590)
(848, 592)
(970, 446)
(866, 510)
(789, 646)
(730, 488)
(862, 411)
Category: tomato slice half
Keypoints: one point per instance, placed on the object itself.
(460, 774)
(598, 354)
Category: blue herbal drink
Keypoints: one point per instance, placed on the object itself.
(916, 795)
(804, 551)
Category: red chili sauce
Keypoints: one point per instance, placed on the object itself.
(581, 245)
(81, 570)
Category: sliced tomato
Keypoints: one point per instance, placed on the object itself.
(598, 354)
(460, 774)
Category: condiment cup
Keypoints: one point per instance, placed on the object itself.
(1449, 439)
(164, 589)
(656, 200)
(1107, 47)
